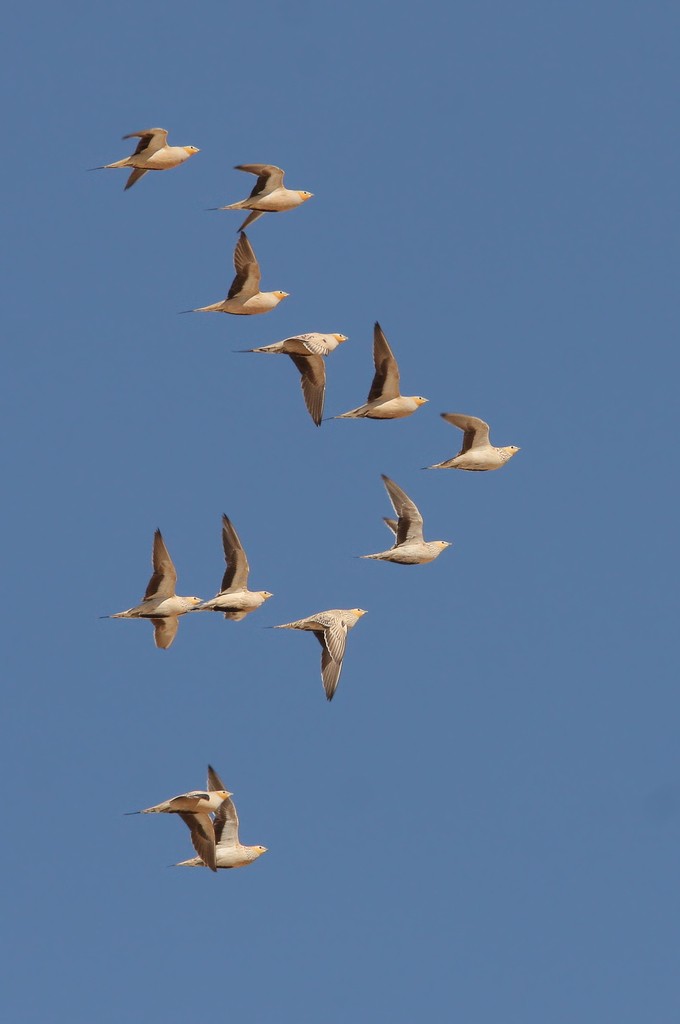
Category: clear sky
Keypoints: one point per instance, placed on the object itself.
(484, 825)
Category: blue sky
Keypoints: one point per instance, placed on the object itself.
(484, 824)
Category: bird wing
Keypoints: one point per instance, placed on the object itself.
(226, 824)
(164, 578)
(138, 173)
(236, 575)
(202, 836)
(313, 383)
(214, 781)
(391, 524)
(150, 140)
(386, 380)
(165, 631)
(475, 431)
(247, 280)
(410, 525)
(333, 641)
(269, 177)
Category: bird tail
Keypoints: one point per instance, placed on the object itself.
(215, 308)
(193, 862)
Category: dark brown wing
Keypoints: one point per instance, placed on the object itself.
(202, 836)
(138, 173)
(247, 280)
(236, 575)
(386, 380)
(475, 431)
(164, 578)
(410, 526)
(150, 139)
(269, 177)
(313, 381)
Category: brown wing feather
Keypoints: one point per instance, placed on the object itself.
(313, 382)
(386, 380)
(236, 575)
(202, 837)
(247, 280)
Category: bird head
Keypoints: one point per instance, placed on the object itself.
(510, 450)
(281, 295)
(265, 595)
(304, 196)
(358, 611)
(194, 600)
(190, 150)
(340, 338)
(223, 793)
(444, 543)
(419, 400)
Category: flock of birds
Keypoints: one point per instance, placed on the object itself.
(210, 814)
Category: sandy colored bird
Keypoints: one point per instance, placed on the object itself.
(269, 194)
(384, 399)
(229, 852)
(234, 599)
(244, 296)
(195, 808)
(477, 453)
(160, 603)
(152, 154)
(307, 352)
(409, 547)
(330, 628)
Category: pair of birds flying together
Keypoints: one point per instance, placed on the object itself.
(269, 194)
(213, 825)
(163, 606)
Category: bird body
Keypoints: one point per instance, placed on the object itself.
(330, 628)
(195, 808)
(307, 352)
(269, 194)
(152, 154)
(477, 454)
(385, 402)
(228, 851)
(409, 548)
(161, 604)
(245, 297)
(234, 599)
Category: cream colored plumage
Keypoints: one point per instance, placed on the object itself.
(245, 297)
(330, 628)
(476, 453)
(229, 851)
(410, 548)
(195, 808)
(385, 402)
(160, 603)
(234, 598)
(152, 154)
(269, 194)
(307, 352)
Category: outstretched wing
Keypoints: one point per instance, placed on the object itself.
(386, 380)
(269, 177)
(475, 431)
(236, 575)
(410, 525)
(247, 280)
(313, 383)
(164, 578)
(202, 836)
(150, 140)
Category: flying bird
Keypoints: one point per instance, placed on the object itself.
(409, 548)
(307, 352)
(234, 599)
(244, 296)
(477, 452)
(384, 399)
(229, 852)
(330, 628)
(160, 603)
(195, 808)
(269, 194)
(152, 154)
